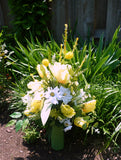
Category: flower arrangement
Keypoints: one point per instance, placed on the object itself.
(58, 96)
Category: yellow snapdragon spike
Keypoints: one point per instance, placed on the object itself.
(65, 38)
(45, 62)
(89, 106)
(69, 55)
(67, 111)
(79, 122)
(83, 62)
(74, 47)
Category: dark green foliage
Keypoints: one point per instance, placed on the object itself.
(30, 17)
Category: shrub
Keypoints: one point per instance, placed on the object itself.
(30, 17)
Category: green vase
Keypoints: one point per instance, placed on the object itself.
(57, 137)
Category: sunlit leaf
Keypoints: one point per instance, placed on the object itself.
(16, 115)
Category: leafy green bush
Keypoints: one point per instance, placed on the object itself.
(108, 108)
(30, 17)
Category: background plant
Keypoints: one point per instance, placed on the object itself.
(30, 18)
(100, 59)
(108, 108)
(4, 74)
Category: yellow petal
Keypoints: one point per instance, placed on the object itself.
(67, 111)
(36, 106)
(89, 106)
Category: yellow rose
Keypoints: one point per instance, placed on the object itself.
(36, 106)
(60, 72)
(79, 122)
(45, 62)
(69, 55)
(89, 106)
(67, 111)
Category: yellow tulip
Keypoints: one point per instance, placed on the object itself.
(89, 106)
(67, 111)
(42, 71)
(60, 72)
(36, 106)
(79, 122)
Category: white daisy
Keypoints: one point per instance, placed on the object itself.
(67, 123)
(52, 95)
(65, 95)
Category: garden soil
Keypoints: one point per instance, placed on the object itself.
(13, 147)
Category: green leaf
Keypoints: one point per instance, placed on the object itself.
(25, 123)
(16, 115)
(99, 65)
(18, 125)
(84, 127)
(45, 112)
(95, 124)
(106, 131)
(57, 138)
(11, 123)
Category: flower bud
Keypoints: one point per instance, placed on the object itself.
(27, 113)
(69, 55)
(79, 122)
(45, 62)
